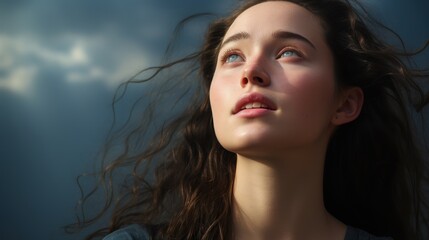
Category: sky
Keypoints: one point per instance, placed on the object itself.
(60, 63)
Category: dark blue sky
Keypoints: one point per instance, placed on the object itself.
(60, 62)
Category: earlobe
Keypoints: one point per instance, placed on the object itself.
(349, 107)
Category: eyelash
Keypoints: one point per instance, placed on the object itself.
(290, 49)
(228, 53)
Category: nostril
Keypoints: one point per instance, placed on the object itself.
(245, 81)
(255, 75)
(258, 79)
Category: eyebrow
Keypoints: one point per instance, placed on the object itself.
(291, 35)
(236, 37)
(277, 35)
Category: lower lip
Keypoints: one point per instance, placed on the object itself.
(253, 112)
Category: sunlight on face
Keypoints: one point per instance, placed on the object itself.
(273, 88)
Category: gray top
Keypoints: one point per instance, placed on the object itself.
(131, 232)
(137, 232)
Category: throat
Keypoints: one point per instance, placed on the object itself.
(270, 202)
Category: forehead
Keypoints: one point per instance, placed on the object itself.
(272, 16)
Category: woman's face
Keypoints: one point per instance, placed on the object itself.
(273, 88)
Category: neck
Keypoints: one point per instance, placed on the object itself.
(282, 198)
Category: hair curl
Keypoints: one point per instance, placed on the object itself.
(374, 167)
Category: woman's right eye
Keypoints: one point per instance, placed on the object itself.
(233, 58)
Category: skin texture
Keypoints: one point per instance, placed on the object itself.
(278, 187)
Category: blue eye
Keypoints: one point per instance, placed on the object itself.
(289, 53)
(233, 58)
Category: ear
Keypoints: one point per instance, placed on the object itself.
(349, 106)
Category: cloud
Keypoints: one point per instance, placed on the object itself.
(60, 62)
(84, 58)
(21, 47)
(19, 79)
(85, 41)
(23, 58)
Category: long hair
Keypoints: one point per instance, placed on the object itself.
(374, 167)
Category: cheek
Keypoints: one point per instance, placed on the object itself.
(318, 80)
(217, 103)
(314, 93)
(222, 89)
(218, 96)
(316, 87)
(222, 94)
(215, 96)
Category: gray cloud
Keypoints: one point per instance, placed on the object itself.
(60, 62)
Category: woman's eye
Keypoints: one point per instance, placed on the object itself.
(233, 58)
(289, 53)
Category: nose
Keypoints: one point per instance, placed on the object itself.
(255, 74)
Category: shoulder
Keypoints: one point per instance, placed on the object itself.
(353, 233)
(131, 232)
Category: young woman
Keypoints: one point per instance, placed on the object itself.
(302, 132)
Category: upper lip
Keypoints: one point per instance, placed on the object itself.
(253, 98)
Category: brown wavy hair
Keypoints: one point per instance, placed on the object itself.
(179, 180)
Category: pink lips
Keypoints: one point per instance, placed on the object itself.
(254, 98)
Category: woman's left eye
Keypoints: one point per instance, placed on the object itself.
(289, 53)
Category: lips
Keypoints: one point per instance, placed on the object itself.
(253, 101)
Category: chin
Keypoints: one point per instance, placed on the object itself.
(256, 148)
